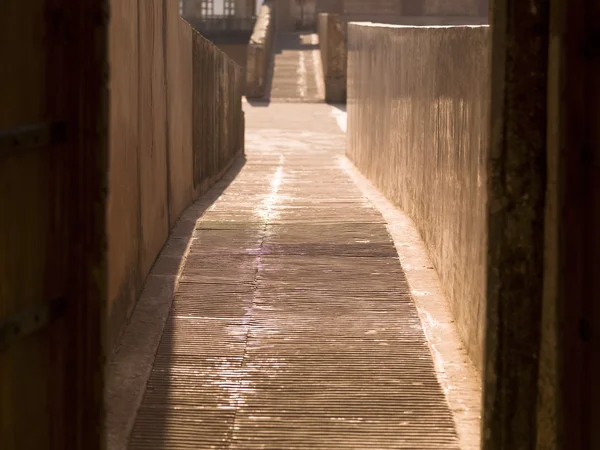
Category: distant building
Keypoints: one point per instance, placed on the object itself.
(196, 9)
(226, 23)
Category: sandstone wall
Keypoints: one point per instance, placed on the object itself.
(165, 145)
(418, 100)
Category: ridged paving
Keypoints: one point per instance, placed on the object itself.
(296, 71)
(293, 326)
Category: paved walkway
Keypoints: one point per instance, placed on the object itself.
(297, 74)
(293, 326)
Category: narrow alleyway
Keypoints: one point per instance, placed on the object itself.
(184, 267)
(293, 325)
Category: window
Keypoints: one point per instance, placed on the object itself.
(229, 7)
(207, 8)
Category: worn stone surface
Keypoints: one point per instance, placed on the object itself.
(128, 372)
(293, 325)
(418, 127)
(296, 73)
(332, 45)
(458, 376)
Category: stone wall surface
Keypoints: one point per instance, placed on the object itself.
(332, 29)
(418, 101)
(259, 52)
(165, 147)
(332, 45)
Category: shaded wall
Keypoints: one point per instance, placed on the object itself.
(53, 154)
(158, 97)
(332, 46)
(418, 100)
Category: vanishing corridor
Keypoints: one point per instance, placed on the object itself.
(279, 315)
(293, 326)
(299, 225)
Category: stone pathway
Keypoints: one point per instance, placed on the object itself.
(297, 74)
(293, 326)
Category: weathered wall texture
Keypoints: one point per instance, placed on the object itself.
(259, 52)
(123, 214)
(167, 138)
(217, 130)
(418, 100)
(332, 45)
(179, 119)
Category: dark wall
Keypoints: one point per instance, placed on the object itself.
(540, 385)
(53, 156)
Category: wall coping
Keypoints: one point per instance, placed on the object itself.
(418, 27)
